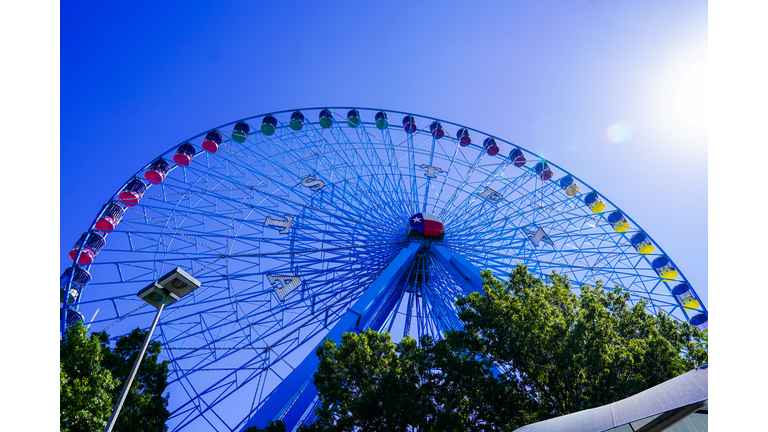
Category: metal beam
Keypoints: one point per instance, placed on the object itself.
(460, 268)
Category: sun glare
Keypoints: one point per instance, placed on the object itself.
(683, 94)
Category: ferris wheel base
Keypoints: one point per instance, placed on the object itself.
(296, 392)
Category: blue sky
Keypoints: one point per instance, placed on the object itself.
(606, 90)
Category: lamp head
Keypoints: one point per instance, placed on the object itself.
(171, 287)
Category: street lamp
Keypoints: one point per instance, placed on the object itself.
(166, 290)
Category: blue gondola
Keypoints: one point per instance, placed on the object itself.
(72, 282)
(701, 322)
(72, 316)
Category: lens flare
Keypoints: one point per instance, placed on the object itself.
(619, 131)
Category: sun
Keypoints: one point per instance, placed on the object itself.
(683, 93)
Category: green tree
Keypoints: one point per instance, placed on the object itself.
(145, 406)
(93, 375)
(529, 351)
(85, 387)
(273, 426)
(370, 383)
(573, 352)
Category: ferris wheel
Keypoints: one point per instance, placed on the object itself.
(308, 223)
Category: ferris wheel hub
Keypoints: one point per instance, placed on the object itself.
(426, 224)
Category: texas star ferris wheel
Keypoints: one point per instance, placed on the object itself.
(305, 224)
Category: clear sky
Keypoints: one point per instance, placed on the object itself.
(612, 91)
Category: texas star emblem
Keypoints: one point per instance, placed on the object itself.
(426, 224)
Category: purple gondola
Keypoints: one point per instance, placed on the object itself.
(517, 158)
(409, 124)
(463, 136)
(490, 146)
(543, 171)
(436, 129)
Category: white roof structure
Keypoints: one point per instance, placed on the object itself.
(677, 405)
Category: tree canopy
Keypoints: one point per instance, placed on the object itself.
(570, 352)
(93, 375)
(85, 388)
(529, 351)
(145, 406)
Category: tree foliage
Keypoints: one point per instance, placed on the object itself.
(529, 351)
(371, 383)
(273, 426)
(570, 352)
(145, 406)
(93, 375)
(85, 388)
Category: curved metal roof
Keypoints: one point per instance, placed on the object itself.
(657, 408)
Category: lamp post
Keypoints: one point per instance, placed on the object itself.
(166, 290)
